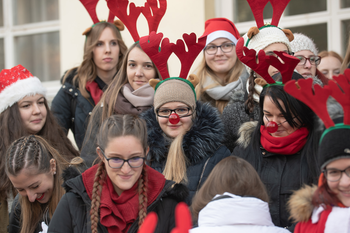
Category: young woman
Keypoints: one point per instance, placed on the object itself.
(220, 72)
(330, 63)
(233, 189)
(284, 159)
(34, 168)
(116, 194)
(129, 93)
(24, 111)
(83, 86)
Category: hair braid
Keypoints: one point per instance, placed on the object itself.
(251, 91)
(96, 194)
(143, 181)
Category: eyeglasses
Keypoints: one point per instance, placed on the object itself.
(333, 174)
(115, 162)
(276, 122)
(182, 112)
(314, 60)
(271, 53)
(212, 49)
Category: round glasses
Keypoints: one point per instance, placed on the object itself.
(115, 162)
(333, 174)
(314, 60)
(182, 112)
(213, 49)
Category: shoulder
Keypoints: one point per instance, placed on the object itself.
(245, 133)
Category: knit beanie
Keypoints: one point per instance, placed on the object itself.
(17, 83)
(220, 28)
(302, 42)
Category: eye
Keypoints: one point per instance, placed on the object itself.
(337, 72)
(114, 43)
(99, 44)
(333, 172)
(325, 72)
(211, 47)
(25, 106)
(135, 159)
(132, 64)
(301, 58)
(115, 160)
(149, 66)
(164, 112)
(35, 187)
(181, 110)
(41, 102)
(227, 46)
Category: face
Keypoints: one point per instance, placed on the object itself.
(36, 187)
(329, 66)
(221, 63)
(341, 187)
(140, 68)
(281, 47)
(33, 113)
(124, 147)
(272, 113)
(182, 127)
(106, 54)
(307, 70)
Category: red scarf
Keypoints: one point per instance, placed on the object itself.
(117, 213)
(94, 90)
(287, 145)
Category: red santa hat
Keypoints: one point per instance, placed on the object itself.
(17, 83)
(220, 28)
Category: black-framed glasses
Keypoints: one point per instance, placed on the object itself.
(225, 48)
(334, 174)
(182, 112)
(279, 124)
(115, 162)
(314, 60)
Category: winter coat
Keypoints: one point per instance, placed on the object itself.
(72, 110)
(202, 145)
(73, 211)
(314, 219)
(230, 213)
(281, 174)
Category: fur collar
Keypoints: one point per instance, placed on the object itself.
(300, 203)
(201, 141)
(245, 133)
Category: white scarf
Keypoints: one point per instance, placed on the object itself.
(218, 92)
(141, 97)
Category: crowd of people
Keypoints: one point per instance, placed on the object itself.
(257, 139)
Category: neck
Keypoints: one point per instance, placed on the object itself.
(106, 76)
(221, 77)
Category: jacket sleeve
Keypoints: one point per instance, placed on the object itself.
(15, 216)
(62, 219)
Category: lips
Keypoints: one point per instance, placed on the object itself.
(125, 177)
(41, 197)
(36, 121)
(107, 59)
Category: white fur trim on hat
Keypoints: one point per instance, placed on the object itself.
(302, 42)
(220, 34)
(20, 89)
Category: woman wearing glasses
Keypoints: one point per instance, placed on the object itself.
(220, 72)
(116, 194)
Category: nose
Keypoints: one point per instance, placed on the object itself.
(308, 64)
(31, 196)
(139, 72)
(344, 180)
(125, 168)
(108, 48)
(36, 109)
(219, 52)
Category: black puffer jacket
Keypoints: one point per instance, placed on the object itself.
(73, 211)
(72, 110)
(202, 145)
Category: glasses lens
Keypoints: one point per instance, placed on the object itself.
(211, 49)
(333, 175)
(182, 111)
(135, 162)
(317, 60)
(347, 171)
(226, 48)
(301, 58)
(115, 162)
(164, 112)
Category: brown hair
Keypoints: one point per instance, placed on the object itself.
(324, 195)
(204, 71)
(346, 61)
(87, 69)
(112, 127)
(33, 152)
(11, 129)
(233, 175)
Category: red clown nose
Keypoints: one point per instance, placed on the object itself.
(174, 118)
(271, 127)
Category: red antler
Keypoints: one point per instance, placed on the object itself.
(150, 223)
(158, 13)
(187, 58)
(287, 68)
(278, 7)
(182, 218)
(120, 9)
(110, 17)
(257, 7)
(150, 45)
(90, 6)
(316, 100)
(342, 95)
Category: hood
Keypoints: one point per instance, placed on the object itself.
(201, 141)
(245, 133)
(300, 203)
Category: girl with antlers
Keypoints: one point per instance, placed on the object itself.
(84, 85)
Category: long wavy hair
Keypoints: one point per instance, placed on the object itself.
(113, 127)
(34, 153)
(204, 71)
(87, 69)
(12, 128)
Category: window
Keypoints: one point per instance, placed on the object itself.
(345, 4)
(346, 35)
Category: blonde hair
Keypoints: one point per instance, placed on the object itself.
(87, 70)
(204, 71)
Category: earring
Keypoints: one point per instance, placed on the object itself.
(254, 75)
(54, 173)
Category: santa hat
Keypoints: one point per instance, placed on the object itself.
(220, 28)
(17, 83)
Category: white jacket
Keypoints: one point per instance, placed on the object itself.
(236, 214)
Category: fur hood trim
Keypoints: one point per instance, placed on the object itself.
(245, 133)
(179, 192)
(201, 141)
(69, 173)
(300, 203)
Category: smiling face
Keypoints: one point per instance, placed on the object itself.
(33, 113)
(341, 187)
(106, 55)
(221, 63)
(281, 47)
(140, 68)
(123, 147)
(329, 66)
(307, 70)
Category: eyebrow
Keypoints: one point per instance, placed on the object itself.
(29, 186)
(28, 101)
